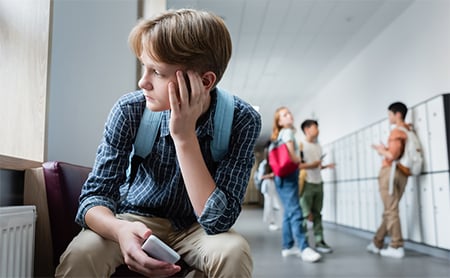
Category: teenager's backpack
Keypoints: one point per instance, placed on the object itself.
(257, 177)
(150, 122)
(412, 157)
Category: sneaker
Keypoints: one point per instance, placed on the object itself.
(273, 227)
(393, 252)
(322, 247)
(293, 251)
(309, 255)
(372, 248)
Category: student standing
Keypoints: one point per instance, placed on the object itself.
(311, 199)
(391, 219)
(180, 193)
(287, 187)
(264, 179)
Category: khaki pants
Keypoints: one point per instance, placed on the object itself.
(222, 255)
(391, 220)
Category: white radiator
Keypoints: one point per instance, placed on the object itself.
(17, 226)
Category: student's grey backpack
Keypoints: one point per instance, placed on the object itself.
(412, 157)
(150, 122)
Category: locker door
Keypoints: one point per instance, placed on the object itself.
(346, 157)
(403, 217)
(385, 129)
(411, 196)
(356, 205)
(362, 159)
(379, 206)
(339, 160)
(353, 152)
(437, 136)
(372, 189)
(370, 153)
(326, 202)
(427, 210)
(376, 133)
(362, 185)
(333, 201)
(421, 127)
(442, 208)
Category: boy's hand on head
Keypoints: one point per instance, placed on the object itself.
(131, 237)
(185, 109)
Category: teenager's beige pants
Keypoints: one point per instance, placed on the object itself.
(391, 220)
(222, 255)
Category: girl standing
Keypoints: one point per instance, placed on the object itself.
(287, 187)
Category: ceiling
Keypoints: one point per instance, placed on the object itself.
(284, 51)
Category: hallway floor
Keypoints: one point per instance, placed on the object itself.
(349, 259)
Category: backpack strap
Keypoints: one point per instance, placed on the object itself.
(223, 120)
(143, 143)
(146, 135)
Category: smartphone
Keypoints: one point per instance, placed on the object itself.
(323, 156)
(156, 248)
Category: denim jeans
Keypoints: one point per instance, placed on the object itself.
(293, 230)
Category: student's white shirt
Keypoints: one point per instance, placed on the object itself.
(312, 152)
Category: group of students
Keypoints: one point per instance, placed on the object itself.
(282, 193)
(180, 192)
(282, 196)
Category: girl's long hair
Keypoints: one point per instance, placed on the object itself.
(276, 127)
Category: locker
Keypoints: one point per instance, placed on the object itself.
(339, 160)
(385, 129)
(345, 157)
(379, 206)
(353, 157)
(442, 208)
(333, 201)
(427, 210)
(326, 202)
(421, 128)
(355, 210)
(372, 189)
(403, 217)
(361, 158)
(376, 134)
(362, 186)
(437, 135)
(370, 153)
(412, 219)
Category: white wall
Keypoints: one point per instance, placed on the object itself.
(408, 62)
(91, 66)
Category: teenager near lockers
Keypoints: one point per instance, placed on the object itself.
(390, 224)
(311, 199)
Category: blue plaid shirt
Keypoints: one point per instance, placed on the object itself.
(158, 188)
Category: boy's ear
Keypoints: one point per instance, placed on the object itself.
(208, 80)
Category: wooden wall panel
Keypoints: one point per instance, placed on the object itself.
(24, 48)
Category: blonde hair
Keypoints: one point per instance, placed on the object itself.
(198, 40)
(276, 127)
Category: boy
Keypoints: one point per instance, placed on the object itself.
(311, 199)
(179, 193)
(391, 218)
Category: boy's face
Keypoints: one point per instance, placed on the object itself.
(312, 131)
(393, 117)
(155, 82)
